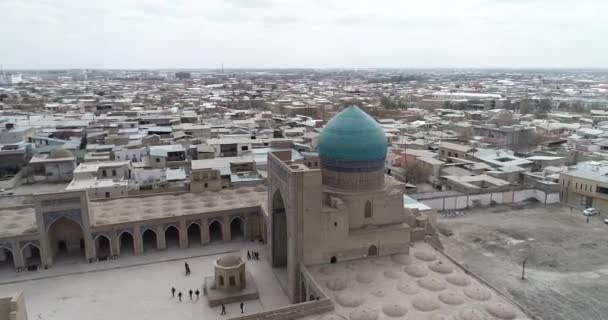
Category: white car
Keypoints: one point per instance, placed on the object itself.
(590, 211)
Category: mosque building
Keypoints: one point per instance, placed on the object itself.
(348, 208)
(334, 222)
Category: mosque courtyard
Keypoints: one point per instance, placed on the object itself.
(138, 287)
(566, 271)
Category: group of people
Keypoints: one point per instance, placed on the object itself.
(250, 255)
(197, 293)
(190, 292)
(253, 255)
(224, 309)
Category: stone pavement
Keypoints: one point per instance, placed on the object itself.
(139, 287)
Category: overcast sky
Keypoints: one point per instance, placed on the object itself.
(304, 33)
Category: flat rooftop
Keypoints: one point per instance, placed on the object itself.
(131, 209)
(15, 222)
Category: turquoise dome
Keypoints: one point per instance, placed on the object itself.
(352, 136)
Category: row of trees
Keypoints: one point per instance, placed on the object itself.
(538, 107)
(543, 107)
(576, 107)
(392, 103)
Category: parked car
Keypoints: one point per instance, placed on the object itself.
(590, 211)
(606, 221)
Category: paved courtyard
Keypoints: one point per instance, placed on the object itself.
(115, 290)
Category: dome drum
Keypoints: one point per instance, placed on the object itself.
(354, 181)
(352, 165)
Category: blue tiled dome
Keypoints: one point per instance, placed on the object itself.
(353, 139)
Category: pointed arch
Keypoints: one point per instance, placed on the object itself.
(126, 243)
(279, 230)
(103, 247)
(237, 228)
(372, 250)
(149, 240)
(7, 258)
(195, 236)
(66, 238)
(215, 231)
(32, 257)
(171, 236)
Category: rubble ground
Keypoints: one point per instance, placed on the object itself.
(566, 274)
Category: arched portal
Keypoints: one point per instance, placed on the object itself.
(102, 247)
(194, 235)
(149, 240)
(237, 229)
(215, 231)
(172, 237)
(7, 261)
(279, 231)
(372, 250)
(127, 244)
(31, 257)
(66, 239)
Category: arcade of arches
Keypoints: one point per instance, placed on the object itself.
(66, 240)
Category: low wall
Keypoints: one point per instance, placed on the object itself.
(298, 310)
(294, 311)
(13, 307)
(464, 201)
(13, 181)
(486, 283)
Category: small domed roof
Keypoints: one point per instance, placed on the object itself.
(229, 261)
(352, 135)
(60, 153)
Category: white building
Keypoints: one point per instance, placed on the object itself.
(9, 79)
(103, 179)
(130, 153)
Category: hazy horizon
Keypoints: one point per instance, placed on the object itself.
(316, 34)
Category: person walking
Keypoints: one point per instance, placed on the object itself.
(242, 307)
(179, 295)
(197, 293)
(223, 310)
(248, 255)
(173, 292)
(190, 293)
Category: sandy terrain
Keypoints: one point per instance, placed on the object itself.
(567, 258)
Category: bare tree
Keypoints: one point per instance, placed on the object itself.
(413, 174)
(465, 135)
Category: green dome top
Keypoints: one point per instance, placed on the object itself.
(352, 135)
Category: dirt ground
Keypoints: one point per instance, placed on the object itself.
(566, 274)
